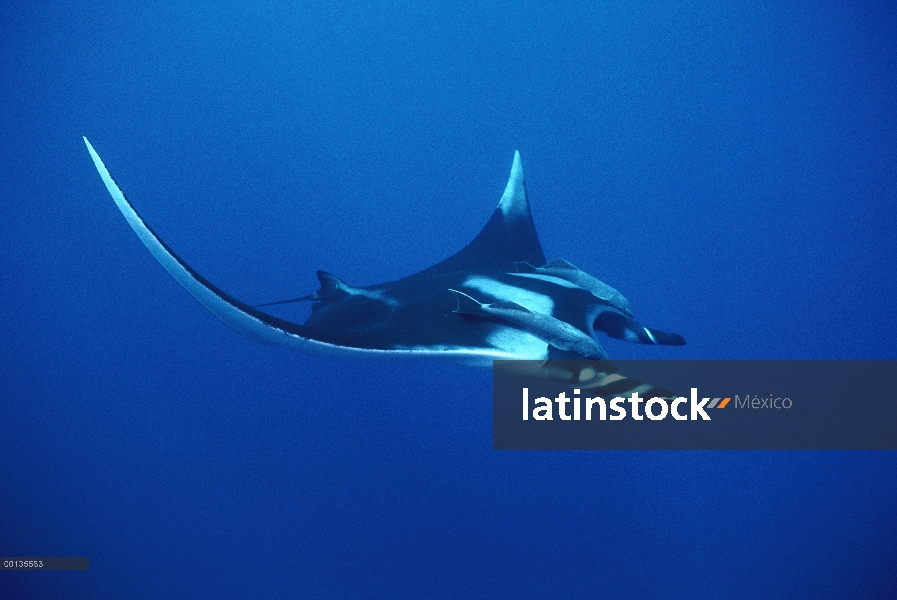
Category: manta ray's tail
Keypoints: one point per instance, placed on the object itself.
(302, 299)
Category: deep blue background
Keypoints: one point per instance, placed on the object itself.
(731, 169)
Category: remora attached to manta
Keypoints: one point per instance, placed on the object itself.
(487, 302)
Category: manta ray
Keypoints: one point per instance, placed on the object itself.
(496, 299)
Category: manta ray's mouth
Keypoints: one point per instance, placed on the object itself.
(621, 327)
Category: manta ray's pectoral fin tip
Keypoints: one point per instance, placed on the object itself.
(93, 155)
(513, 202)
(97, 161)
(508, 236)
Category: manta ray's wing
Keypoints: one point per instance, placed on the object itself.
(508, 237)
(251, 322)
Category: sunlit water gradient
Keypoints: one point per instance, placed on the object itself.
(730, 169)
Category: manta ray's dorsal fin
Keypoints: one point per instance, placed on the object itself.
(508, 237)
(331, 286)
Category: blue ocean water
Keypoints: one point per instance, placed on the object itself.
(729, 167)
